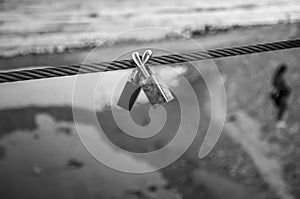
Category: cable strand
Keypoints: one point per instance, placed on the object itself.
(84, 68)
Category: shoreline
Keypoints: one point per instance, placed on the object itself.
(89, 44)
(234, 37)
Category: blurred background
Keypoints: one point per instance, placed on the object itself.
(41, 154)
(28, 24)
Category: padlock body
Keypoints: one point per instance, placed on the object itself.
(156, 90)
(129, 95)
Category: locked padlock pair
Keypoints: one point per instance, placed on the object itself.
(142, 77)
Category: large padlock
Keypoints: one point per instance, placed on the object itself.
(155, 89)
(132, 87)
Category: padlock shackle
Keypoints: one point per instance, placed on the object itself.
(136, 58)
(146, 56)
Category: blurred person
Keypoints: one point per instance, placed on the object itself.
(280, 94)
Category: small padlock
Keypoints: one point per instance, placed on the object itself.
(130, 91)
(132, 88)
(155, 89)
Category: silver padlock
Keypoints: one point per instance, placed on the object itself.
(155, 89)
(132, 88)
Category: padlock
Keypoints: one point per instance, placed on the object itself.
(130, 91)
(155, 89)
(132, 88)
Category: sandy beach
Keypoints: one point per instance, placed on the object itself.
(252, 159)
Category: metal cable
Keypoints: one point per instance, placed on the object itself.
(49, 72)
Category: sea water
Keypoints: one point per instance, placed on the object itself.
(36, 25)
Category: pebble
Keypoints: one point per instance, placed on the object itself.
(36, 171)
